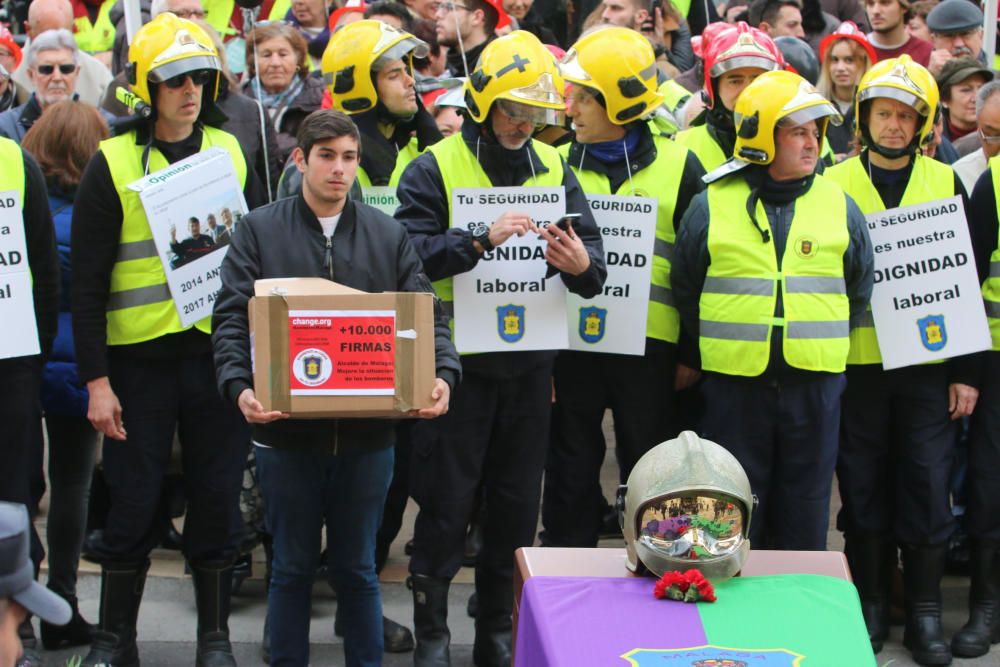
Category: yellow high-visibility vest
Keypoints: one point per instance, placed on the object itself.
(739, 296)
(140, 307)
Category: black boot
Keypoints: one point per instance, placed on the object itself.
(871, 559)
(495, 595)
(75, 633)
(923, 568)
(213, 583)
(396, 638)
(121, 592)
(430, 621)
(983, 628)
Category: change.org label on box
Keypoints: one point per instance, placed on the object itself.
(342, 352)
(926, 302)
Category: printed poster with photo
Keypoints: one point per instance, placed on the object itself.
(194, 207)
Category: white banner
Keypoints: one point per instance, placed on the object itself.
(194, 206)
(927, 301)
(615, 321)
(505, 303)
(19, 333)
(382, 197)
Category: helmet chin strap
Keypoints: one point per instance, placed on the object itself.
(889, 153)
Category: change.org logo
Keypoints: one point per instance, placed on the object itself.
(713, 656)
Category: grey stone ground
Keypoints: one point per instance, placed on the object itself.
(167, 617)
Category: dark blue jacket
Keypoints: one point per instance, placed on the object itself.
(62, 392)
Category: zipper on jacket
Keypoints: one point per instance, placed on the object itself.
(329, 256)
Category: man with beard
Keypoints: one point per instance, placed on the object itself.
(889, 37)
(369, 68)
(732, 60)
(956, 32)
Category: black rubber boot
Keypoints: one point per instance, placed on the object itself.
(113, 644)
(213, 585)
(495, 595)
(75, 633)
(430, 621)
(923, 567)
(983, 628)
(871, 559)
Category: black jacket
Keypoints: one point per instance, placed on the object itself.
(447, 251)
(371, 252)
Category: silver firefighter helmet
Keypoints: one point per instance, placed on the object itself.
(687, 505)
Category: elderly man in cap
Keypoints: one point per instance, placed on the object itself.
(20, 594)
(956, 31)
(959, 81)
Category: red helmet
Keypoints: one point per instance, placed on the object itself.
(703, 42)
(847, 30)
(739, 46)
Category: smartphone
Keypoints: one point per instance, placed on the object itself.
(567, 221)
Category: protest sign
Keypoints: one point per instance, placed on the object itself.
(926, 303)
(194, 206)
(19, 333)
(615, 320)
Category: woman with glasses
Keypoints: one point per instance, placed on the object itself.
(845, 56)
(277, 75)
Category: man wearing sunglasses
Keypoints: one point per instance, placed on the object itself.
(53, 70)
(147, 374)
(496, 432)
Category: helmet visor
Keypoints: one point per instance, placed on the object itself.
(695, 527)
(526, 113)
(803, 116)
(898, 94)
(183, 66)
(729, 64)
(400, 50)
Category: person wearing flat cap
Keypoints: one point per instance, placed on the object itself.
(956, 28)
(959, 81)
(20, 594)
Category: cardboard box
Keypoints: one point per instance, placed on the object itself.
(321, 349)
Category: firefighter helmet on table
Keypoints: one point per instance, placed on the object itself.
(356, 52)
(687, 505)
(905, 81)
(520, 75)
(626, 82)
(777, 99)
(166, 47)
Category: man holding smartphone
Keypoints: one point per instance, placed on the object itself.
(496, 432)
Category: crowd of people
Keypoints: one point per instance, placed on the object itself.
(766, 131)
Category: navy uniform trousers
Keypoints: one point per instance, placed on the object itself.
(159, 396)
(784, 434)
(639, 390)
(896, 450)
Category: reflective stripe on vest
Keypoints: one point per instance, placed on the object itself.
(930, 180)
(460, 169)
(99, 35)
(739, 296)
(991, 286)
(701, 143)
(139, 306)
(660, 179)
